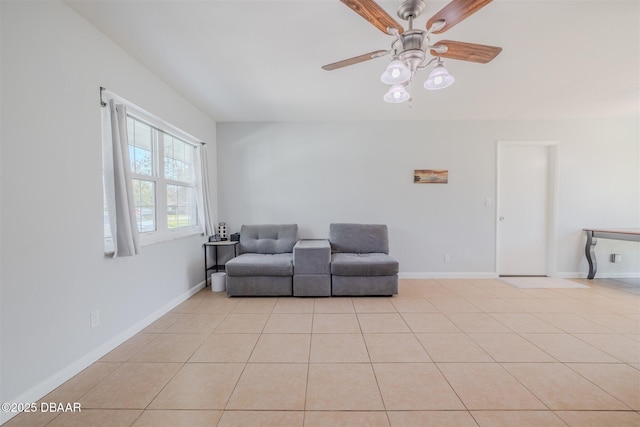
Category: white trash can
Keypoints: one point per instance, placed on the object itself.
(218, 282)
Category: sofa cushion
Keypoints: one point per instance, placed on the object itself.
(261, 265)
(359, 238)
(268, 238)
(370, 264)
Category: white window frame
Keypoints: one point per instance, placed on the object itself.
(162, 232)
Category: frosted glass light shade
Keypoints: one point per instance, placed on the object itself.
(439, 78)
(397, 72)
(397, 94)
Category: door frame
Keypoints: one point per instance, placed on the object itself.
(552, 202)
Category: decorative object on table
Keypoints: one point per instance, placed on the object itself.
(214, 238)
(430, 176)
(222, 230)
(235, 237)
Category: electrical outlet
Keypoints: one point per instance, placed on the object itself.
(447, 258)
(95, 318)
(616, 258)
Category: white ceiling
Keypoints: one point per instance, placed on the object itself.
(260, 60)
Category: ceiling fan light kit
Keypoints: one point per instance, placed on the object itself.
(397, 94)
(396, 72)
(439, 78)
(409, 49)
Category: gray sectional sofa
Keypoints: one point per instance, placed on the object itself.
(273, 262)
(360, 261)
(264, 266)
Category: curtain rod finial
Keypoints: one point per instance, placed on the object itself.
(102, 103)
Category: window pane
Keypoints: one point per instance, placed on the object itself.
(181, 207)
(140, 147)
(144, 196)
(178, 159)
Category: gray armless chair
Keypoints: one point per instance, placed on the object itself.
(265, 264)
(360, 261)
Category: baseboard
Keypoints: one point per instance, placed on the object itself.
(606, 275)
(37, 392)
(618, 276)
(493, 275)
(446, 275)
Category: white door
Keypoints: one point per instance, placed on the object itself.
(523, 209)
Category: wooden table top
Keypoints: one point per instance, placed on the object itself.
(615, 230)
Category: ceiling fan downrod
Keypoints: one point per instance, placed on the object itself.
(412, 49)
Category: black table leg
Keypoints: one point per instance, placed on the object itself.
(205, 266)
(590, 253)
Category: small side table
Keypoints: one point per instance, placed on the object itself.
(215, 246)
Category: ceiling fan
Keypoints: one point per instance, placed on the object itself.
(409, 49)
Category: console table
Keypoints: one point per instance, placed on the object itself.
(215, 246)
(632, 234)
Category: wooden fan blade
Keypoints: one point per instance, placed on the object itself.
(466, 51)
(373, 13)
(354, 60)
(455, 12)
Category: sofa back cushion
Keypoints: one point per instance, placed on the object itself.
(268, 238)
(359, 238)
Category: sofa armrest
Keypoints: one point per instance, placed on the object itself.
(312, 257)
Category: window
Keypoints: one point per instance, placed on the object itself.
(163, 179)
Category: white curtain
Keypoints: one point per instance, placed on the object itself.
(205, 213)
(117, 181)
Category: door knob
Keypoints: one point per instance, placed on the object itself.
(501, 218)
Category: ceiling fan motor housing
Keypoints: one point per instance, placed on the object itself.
(413, 48)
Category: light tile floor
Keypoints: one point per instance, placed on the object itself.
(440, 353)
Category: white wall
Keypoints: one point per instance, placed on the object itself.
(54, 272)
(317, 173)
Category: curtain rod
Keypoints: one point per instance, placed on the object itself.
(141, 110)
